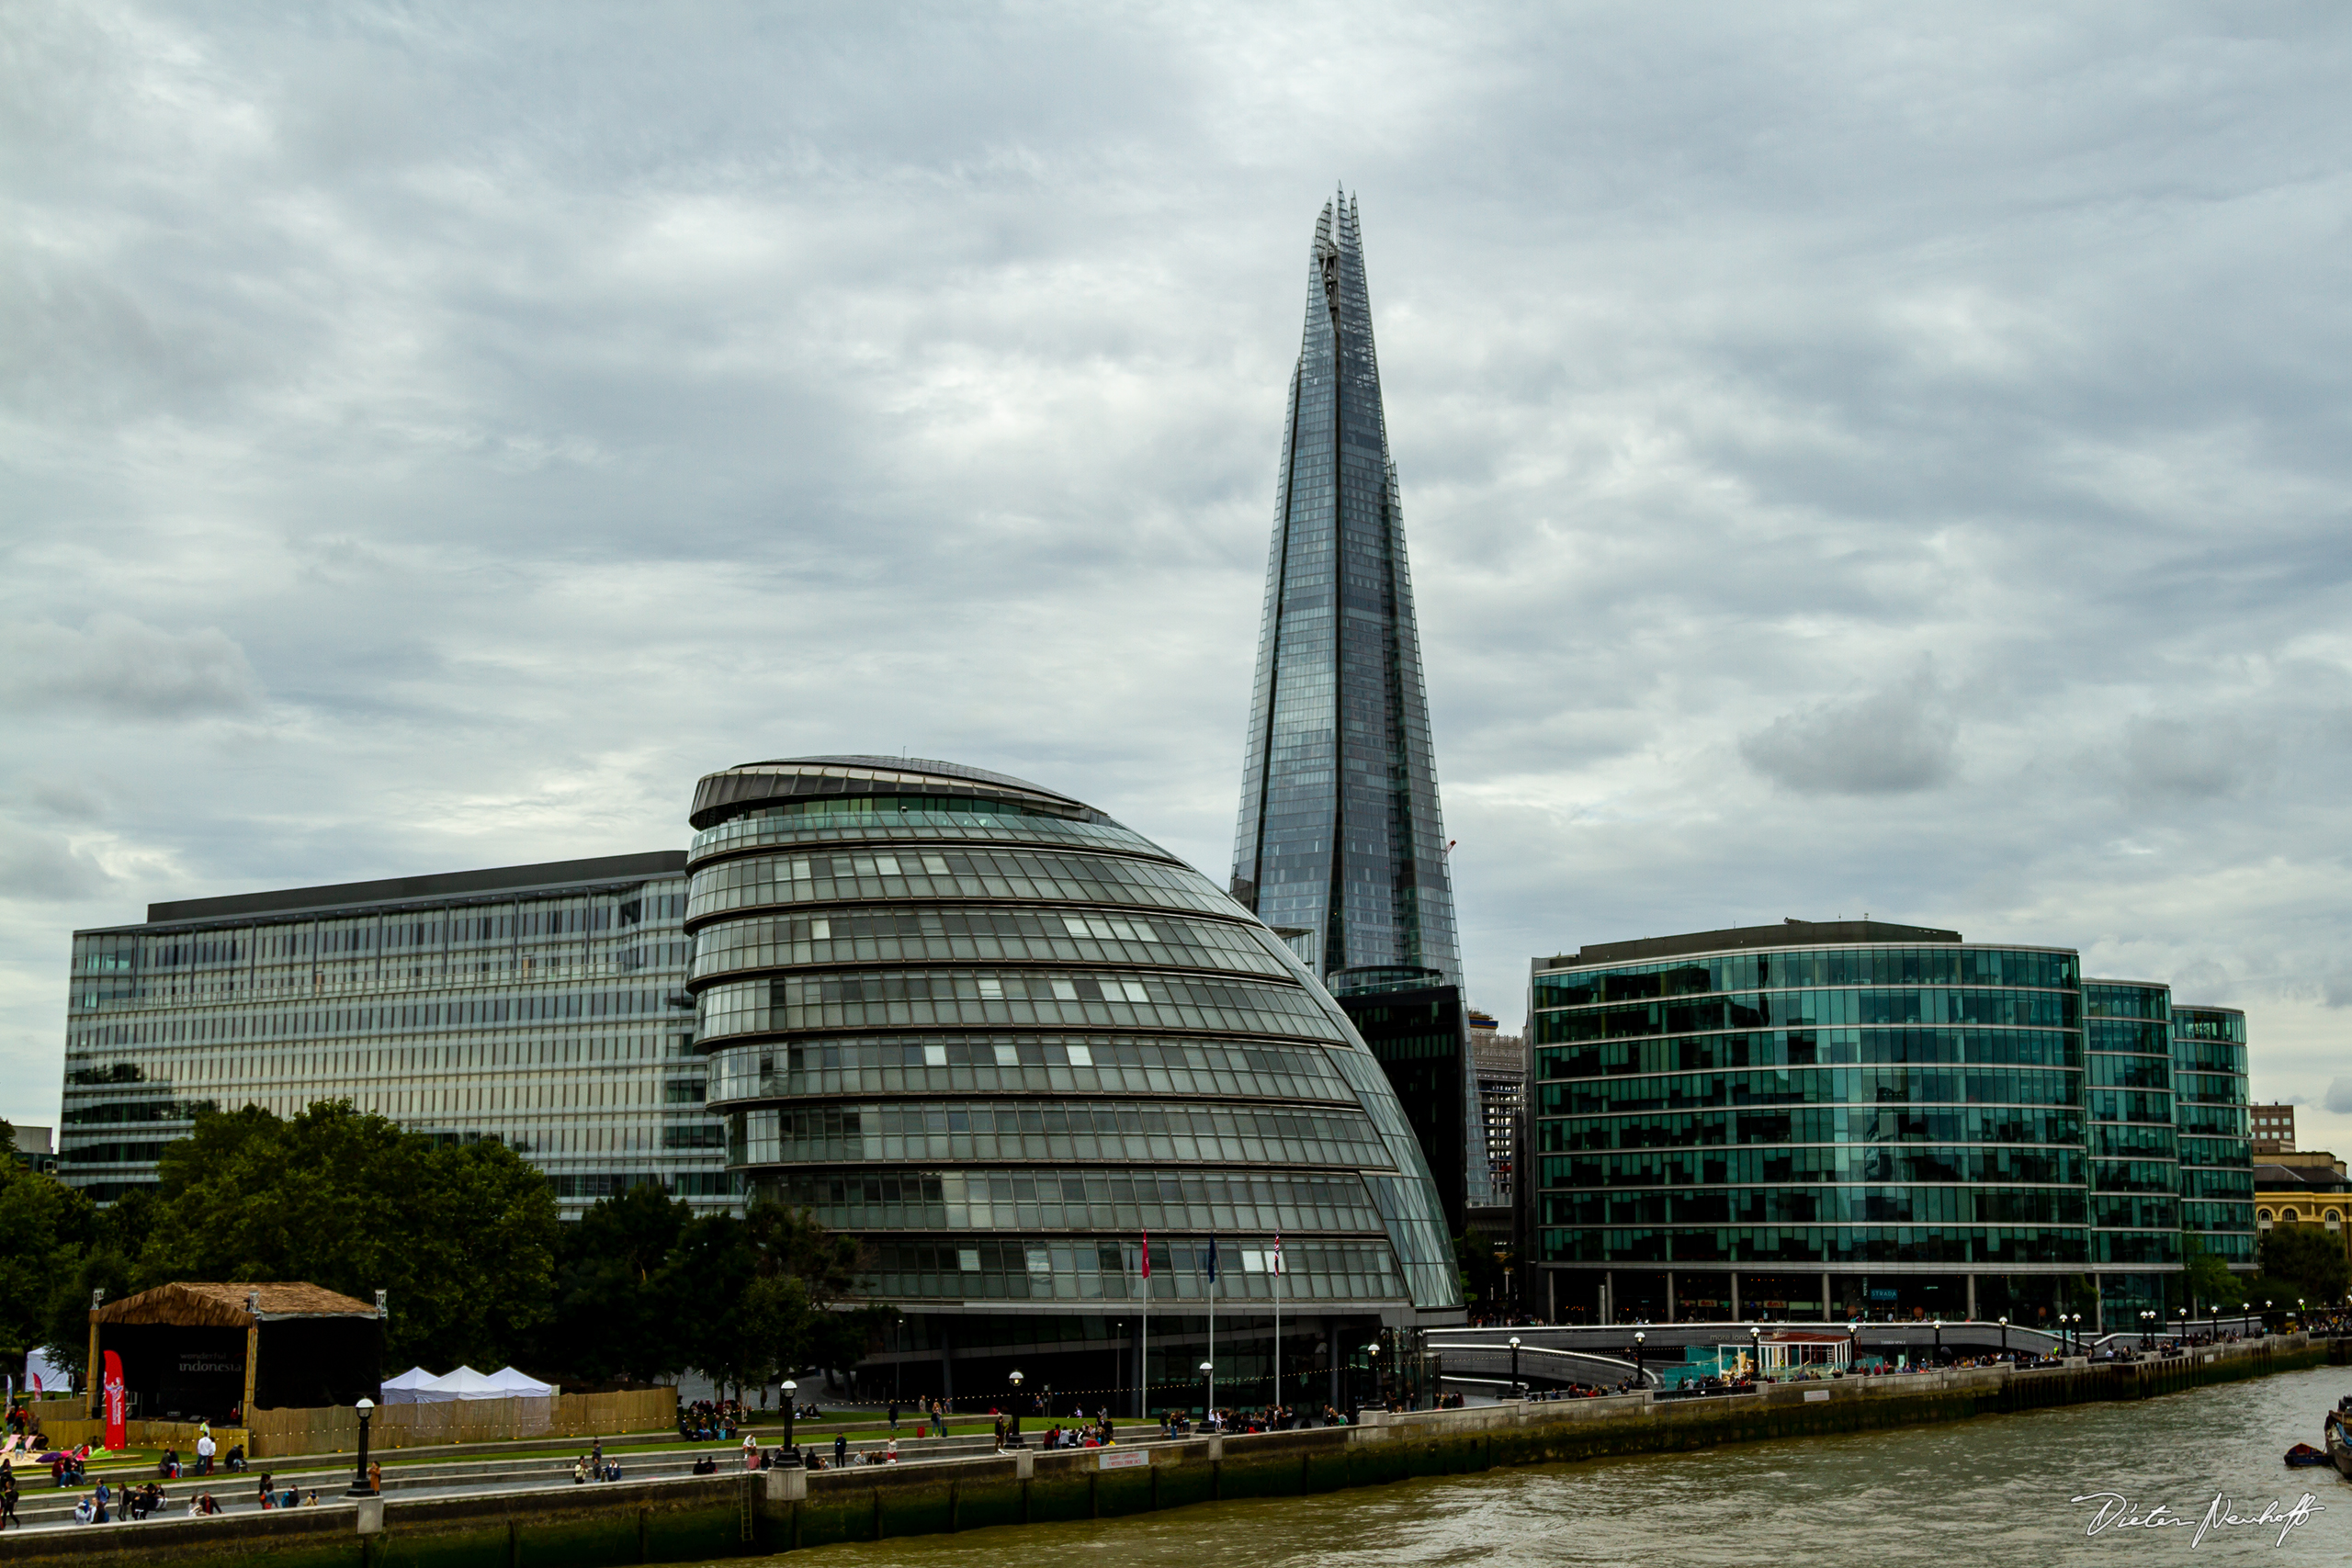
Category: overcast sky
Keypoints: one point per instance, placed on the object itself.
(1856, 460)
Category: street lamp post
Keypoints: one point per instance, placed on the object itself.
(1014, 1379)
(1639, 1376)
(1755, 1354)
(2005, 1334)
(1208, 1403)
(1514, 1364)
(788, 1388)
(1940, 1341)
(1372, 1365)
(359, 1486)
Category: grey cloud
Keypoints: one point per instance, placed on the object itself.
(550, 408)
(2173, 758)
(64, 799)
(1892, 741)
(44, 868)
(2338, 1097)
(117, 665)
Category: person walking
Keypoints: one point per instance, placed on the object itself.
(894, 1415)
(8, 1500)
(204, 1449)
(840, 1450)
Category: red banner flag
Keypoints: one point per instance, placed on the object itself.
(116, 1437)
(1146, 1254)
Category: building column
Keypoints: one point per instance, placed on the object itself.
(946, 1360)
(1828, 1302)
(252, 1366)
(94, 1374)
(1609, 1296)
(1735, 1295)
(1670, 1295)
(1971, 1297)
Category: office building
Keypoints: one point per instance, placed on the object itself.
(2134, 1162)
(1001, 1038)
(1419, 1031)
(542, 1005)
(2274, 1129)
(1813, 1119)
(1810, 1120)
(1499, 1062)
(2210, 1115)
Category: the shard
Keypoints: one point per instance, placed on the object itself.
(1340, 845)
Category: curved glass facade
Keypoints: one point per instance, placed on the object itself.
(1000, 1037)
(1815, 1131)
(2135, 1175)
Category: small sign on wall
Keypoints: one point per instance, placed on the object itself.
(1122, 1459)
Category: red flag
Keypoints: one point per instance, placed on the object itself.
(116, 1436)
(1146, 1254)
(1278, 1252)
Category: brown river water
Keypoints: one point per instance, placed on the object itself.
(1997, 1490)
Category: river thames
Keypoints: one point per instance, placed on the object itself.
(1996, 1490)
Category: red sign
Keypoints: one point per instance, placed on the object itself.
(116, 1437)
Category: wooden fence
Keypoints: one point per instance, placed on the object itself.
(336, 1429)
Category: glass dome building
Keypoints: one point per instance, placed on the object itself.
(1002, 1039)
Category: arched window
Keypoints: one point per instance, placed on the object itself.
(2335, 1219)
(2288, 1215)
(2263, 1214)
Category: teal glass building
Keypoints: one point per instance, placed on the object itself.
(1811, 1121)
(2209, 1109)
(1001, 1038)
(2134, 1161)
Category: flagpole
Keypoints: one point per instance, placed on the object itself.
(1209, 1415)
(1143, 1370)
(1278, 1320)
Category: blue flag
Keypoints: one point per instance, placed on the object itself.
(1211, 1255)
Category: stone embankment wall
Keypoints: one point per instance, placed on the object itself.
(704, 1518)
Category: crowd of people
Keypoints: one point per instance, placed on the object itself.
(708, 1420)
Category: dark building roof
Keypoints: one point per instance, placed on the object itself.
(733, 791)
(410, 889)
(1790, 933)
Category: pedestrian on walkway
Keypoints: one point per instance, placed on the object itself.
(894, 1415)
(840, 1450)
(204, 1450)
(8, 1500)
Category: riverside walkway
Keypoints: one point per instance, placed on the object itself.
(680, 1517)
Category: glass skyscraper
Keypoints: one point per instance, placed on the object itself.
(1001, 1038)
(543, 1006)
(1341, 847)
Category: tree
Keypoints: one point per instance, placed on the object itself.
(1481, 1265)
(2210, 1283)
(44, 1225)
(461, 1237)
(2311, 1259)
(614, 1316)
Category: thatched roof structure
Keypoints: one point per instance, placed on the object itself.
(187, 1305)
